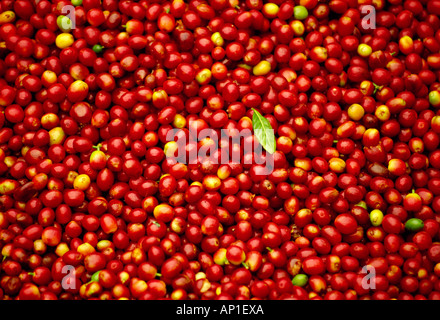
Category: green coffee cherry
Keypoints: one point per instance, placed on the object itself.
(300, 280)
(98, 48)
(414, 224)
(300, 12)
(64, 23)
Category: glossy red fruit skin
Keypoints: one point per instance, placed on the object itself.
(346, 223)
(229, 230)
(313, 265)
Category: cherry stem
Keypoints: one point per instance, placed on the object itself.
(157, 224)
(376, 87)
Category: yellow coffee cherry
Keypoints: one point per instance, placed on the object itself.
(262, 68)
(81, 182)
(355, 112)
(64, 40)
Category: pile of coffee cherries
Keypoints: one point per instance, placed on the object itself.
(94, 203)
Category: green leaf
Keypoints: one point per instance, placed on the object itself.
(95, 276)
(263, 131)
